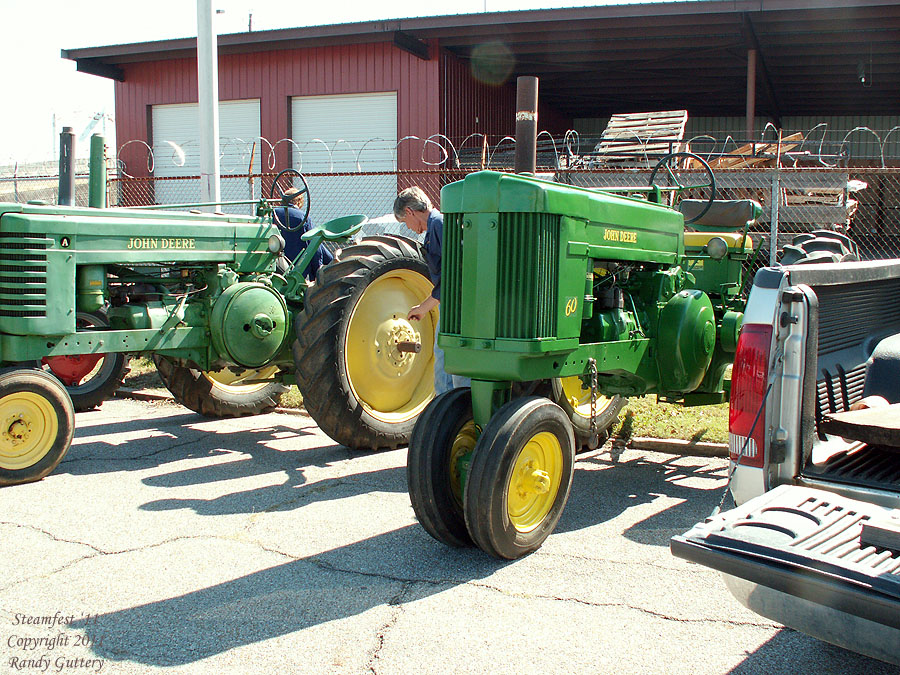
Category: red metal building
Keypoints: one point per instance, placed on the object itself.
(761, 60)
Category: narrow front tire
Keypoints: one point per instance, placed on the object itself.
(520, 477)
(37, 422)
(443, 435)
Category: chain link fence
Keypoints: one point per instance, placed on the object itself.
(39, 182)
(861, 202)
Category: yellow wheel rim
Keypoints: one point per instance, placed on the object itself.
(244, 381)
(392, 385)
(577, 398)
(463, 444)
(535, 481)
(28, 429)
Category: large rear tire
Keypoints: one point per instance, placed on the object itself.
(37, 422)
(359, 388)
(819, 246)
(570, 394)
(90, 379)
(222, 393)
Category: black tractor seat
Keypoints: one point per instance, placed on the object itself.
(723, 215)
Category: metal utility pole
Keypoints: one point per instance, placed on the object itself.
(208, 93)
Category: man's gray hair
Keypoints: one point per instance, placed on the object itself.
(414, 198)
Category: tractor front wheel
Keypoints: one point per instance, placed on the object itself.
(37, 421)
(223, 393)
(520, 477)
(365, 372)
(443, 435)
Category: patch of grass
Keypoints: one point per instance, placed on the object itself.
(143, 374)
(292, 398)
(643, 416)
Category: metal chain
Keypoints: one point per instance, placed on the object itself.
(595, 437)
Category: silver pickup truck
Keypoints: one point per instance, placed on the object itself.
(814, 542)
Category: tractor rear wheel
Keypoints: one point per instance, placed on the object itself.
(574, 398)
(444, 433)
(222, 393)
(362, 379)
(819, 246)
(90, 379)
(37, 421)
(520, 477)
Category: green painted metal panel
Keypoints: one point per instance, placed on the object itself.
(451, 274)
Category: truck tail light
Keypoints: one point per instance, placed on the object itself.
(749, 381)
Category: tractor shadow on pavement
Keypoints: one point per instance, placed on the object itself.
(604, 489)
(400, 566)
(128, 444)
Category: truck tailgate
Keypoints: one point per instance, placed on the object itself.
(806, 543)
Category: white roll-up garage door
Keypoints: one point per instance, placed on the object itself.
(346, 133)
(176, 151)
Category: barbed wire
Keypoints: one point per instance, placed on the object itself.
(240, 155)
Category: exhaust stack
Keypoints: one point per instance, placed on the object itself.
(66, 167)
(526, 124)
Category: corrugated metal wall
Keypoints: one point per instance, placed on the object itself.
(274, 77)
(472, 107)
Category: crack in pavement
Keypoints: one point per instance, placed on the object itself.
(51, 535)
(175, 446)
(396, 601)
(625, 605)
(693, 569)
(98, 552)
(408, 582)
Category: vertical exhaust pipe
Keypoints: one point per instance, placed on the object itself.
(526, 124)
(97, 180)
(67, 167)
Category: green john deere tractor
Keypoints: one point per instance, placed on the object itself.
(558, 301)
(229, 321)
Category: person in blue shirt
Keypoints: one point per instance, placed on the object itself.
(289, 217)
(413, 208)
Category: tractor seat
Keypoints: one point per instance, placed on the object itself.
(736, 240)
(723, 215)
(337, 228)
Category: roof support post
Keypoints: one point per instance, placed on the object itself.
(751, 92)
(759, 57)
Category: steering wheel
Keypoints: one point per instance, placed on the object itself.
(670, 163)
(279, 189)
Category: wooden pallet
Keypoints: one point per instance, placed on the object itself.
(635, 137)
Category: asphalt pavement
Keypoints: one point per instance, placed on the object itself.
(166, 542)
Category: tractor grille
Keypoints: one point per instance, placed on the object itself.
(527, 267)
(527, 275)
(451, 274)
(23, 274)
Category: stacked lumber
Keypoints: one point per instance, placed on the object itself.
(754, 154)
